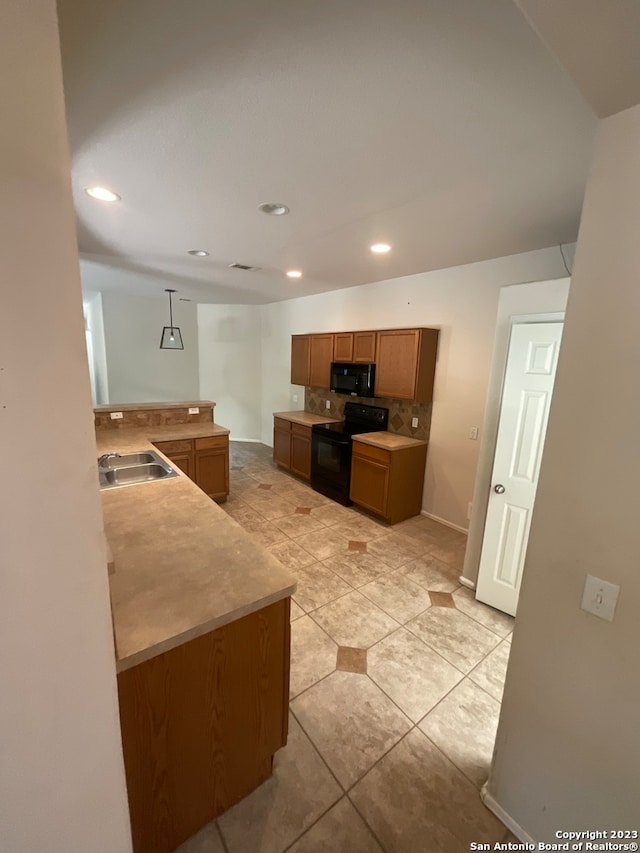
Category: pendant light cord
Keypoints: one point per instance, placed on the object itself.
(170, 311)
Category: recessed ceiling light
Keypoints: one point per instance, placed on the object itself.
(198, 253)
(273, 208)
(380, 248)
(102, 194)
(294, 273)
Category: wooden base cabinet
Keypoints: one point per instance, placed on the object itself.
(200, 725)
(388, 483)
(292, 447)
(204, 460)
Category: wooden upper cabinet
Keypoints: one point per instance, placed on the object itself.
(300, 355)
(405, 364)
(405, 360)
(343, 346)
(321, 356)
(364, 347)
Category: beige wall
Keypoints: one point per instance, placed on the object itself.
(230, 342)
(462, 302)
(568, 752)
(62, 784)
(138, 370)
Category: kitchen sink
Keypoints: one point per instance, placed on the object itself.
(125, 460)
(131, 468)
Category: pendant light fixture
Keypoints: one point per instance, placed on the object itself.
(171, 336)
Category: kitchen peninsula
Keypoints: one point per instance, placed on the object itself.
(201, 625)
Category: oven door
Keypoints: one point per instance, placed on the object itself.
(331, 466)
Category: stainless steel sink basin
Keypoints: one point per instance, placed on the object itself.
(132, 468)
(125, 460)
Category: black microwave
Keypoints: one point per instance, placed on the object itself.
(354, 379)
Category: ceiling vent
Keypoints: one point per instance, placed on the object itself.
(244, 267)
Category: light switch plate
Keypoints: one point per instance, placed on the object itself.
(473, 433)
(414, 423)
(295, 398)
(328, 404)
(115, 416)
(600, 597)
(194, 410)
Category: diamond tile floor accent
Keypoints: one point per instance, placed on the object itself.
(352, 660)
(396, 682)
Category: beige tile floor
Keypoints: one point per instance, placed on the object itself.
(396, 682)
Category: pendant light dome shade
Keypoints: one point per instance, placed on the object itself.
(171, 337)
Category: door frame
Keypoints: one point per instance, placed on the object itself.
(489, 435)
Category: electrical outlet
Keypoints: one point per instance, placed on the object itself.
(115, 416)
(328, 403)
(473, 433)
(414, 423)
(295, 398)
(194, 410)
(600, 597)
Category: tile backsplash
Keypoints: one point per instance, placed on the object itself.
(401, 412)
(145, 416)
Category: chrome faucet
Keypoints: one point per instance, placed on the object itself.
(105, 458)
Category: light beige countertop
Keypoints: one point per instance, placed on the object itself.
(388, 440)
(183, 566)
(305, 418)
(128, 439)
(139, 407)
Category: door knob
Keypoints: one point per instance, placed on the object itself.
(499, 489)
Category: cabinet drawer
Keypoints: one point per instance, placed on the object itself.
(211, 442)
(369, 452)
(282, 424)
(301, 429)
(183, 445)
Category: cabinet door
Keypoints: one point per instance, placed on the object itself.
(343, 346)
(369, 484)
(212, 472)
(397, 363)
(185, 463)
(300, 359)
(301, 451)
(364, 347)
(282, 443)
(321, 357)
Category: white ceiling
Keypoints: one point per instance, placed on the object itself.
(443, 127)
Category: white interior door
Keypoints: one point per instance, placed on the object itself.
(524, 412)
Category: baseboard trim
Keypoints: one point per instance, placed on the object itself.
(444, 521)
(502, 815)
(466, 582)
(249, 440)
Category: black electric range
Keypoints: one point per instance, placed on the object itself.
(331, 448)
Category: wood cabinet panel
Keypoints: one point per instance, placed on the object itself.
(320, 360)
(186, 463)
(183, 445)
(343, 346)
(396, 363)
(364, 347)
(369, 484)
(209, 442)
(301, 451)
(200, 724)
(282, 443)
(212, 472)
(300, 355)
